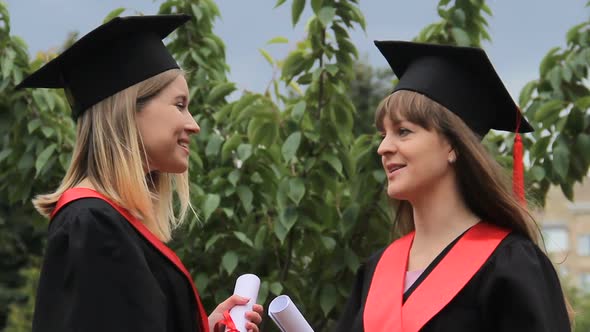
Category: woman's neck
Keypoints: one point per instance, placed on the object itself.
(440, 216)
(86, 183)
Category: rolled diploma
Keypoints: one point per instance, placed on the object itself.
(286, 315)
(247, 285)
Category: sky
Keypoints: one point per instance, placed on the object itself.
(522, 31)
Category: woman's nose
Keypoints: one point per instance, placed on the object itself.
(192, 126)
(387, 145)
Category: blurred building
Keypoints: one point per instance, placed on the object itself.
(566, 232)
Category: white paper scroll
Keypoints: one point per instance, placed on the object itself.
(247, 285)
(286, 315)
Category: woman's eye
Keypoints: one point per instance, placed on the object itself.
(180, 106)
(403, 131)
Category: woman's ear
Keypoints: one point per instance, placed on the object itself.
(452, 156)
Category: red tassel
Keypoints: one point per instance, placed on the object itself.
(518, 170)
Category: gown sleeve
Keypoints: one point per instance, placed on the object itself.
(351, 319)
(523, 292)
(95, 277)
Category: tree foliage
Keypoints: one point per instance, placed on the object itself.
(286, 181)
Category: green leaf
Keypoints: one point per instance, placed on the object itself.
(555, 78)
(296, 10)
(583, 146)
(262, 132)
(276, 288)
(220, 91)
(256, 178)
(291, 145)
(561, 160)
(7, 62)
(213, 145)
(316, 5)
(113, 14)
(229, 261)
(43, 158)
(583, 103)
(334, 162)
(197, 12)
(458, 17)
(244, 151)
(296, 190)
(567, 190)
(229, 146)
(548, 109)
(244, 238)
(526, 93)
(461, 37)
(234, 177)
(278, 40)
(298, 111)
(210, 205)
(47, 131)
(279, 2)
(539, 148)
(5, 153)
(267, 56)
(260, 237)
(349, 218)
(201, 281)
(328, 298)
(326, 15)
(246, 197)
(212, 240)
(33, 125)
(292, 65)
(566, 73)
(280, 231)
(352, 260)
(537, 173)
(548, 61)
(288, 217)
(328, 242)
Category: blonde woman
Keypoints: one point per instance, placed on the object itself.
(468, 258)
(106, 266)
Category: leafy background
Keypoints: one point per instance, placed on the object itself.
(286, 180)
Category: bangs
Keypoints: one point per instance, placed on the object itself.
(407, 105)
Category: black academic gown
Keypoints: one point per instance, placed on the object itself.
(517, 289)
(100, 274)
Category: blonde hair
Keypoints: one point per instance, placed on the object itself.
(484, 184)
(109, 152)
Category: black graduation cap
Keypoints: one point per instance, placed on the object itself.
(112, 57)
(460, 78)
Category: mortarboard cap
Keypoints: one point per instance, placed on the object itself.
(112, 57)
(460, 78)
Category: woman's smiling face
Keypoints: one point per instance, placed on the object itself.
(165, 125)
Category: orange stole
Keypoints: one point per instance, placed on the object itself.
(77, 193)
(387, 313)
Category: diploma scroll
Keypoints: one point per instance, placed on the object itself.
(247, 285)
(286, 315)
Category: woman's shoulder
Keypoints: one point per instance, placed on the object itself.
(85, 213)
(519, 253)
(518, 244)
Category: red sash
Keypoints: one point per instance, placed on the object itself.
(77, 193)
(387, 313)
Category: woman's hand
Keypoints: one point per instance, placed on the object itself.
(254, 317)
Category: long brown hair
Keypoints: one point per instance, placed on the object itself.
(483, 183)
